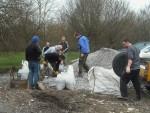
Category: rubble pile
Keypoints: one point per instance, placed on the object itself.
(101, 58)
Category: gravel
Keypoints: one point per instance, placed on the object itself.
(102, 58)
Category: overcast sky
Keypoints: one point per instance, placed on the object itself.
(136, 5)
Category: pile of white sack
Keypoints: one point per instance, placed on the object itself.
(24, 71)
(101, 77)
(66, 79)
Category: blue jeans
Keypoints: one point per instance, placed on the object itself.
(34, 72)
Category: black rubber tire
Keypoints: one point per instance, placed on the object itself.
(119, 63)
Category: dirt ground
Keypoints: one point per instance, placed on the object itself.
(52, 101)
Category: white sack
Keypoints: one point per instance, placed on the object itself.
(70, 78)
(61, 67)
(24, 71)
(66, 79)
(104, 81)
(60, 82)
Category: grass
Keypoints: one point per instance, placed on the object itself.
(72, 56)
(8, 60)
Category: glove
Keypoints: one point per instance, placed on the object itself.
(128, 70)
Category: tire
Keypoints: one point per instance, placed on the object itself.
(119, 63)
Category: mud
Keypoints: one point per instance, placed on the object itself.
(52, 101)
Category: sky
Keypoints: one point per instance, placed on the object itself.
(135, 5)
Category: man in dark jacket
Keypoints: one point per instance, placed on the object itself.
(64, 50)
(32, 55)
(131, 71)
(53, 57)
(83, 44)
(65, 45)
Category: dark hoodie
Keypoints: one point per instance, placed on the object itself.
(33, 51)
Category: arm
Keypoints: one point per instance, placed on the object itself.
(128, 68)
(67, 47)
(130, 58)
(43, 52)
(84, 44)
(39, 51)
(129, 63)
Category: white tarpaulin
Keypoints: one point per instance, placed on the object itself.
(104, 81)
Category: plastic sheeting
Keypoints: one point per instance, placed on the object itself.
(104, 81)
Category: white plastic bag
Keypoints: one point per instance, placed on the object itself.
(24, 71)
(70, 78)
(66, 79)
(61, 67)
(104, 81)
(60, 82)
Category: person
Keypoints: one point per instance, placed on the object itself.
(83, 44)
(32, 55)
(52, 55)
(45, 48)
(131, 71)
(65, 47)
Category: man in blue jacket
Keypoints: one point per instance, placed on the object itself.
(83, 44)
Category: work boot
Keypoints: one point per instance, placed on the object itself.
(123, 98)
(138, 98)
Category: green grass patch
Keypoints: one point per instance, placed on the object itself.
(8, 60)
(72, 56)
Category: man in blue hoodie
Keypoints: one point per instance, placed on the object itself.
(32, 55)
(83, 44)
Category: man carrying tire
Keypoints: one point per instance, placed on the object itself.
(131, 71)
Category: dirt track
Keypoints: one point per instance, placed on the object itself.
(24, 101)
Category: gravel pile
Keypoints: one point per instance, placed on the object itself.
(102, 58)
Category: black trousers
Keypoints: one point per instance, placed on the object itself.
(54, 60)
(124, 80)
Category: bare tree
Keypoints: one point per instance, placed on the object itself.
(101, 20)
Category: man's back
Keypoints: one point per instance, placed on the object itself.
(84, 45)
(33, 53)
(133, 54)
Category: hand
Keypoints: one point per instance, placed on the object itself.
(60, 52)
(62, 62)
(82, 55)
(128, 70)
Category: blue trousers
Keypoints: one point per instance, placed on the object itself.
(34, 72)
